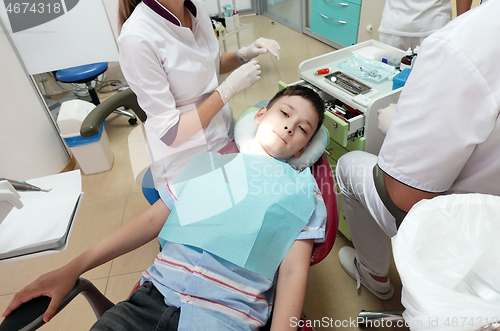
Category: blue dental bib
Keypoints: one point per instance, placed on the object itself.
(247, 209)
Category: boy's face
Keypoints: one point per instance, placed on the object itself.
(286, 128)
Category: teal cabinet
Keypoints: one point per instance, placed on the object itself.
(336, 20)
(334, 28)
(343, 23)
(345, 11)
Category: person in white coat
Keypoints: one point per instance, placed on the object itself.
(443, 139)
(170, 57)
(406, 23)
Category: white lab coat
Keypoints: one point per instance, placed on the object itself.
(414, 18)
(172, 69)
(448, 112)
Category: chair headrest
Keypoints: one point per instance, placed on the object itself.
(246, 128)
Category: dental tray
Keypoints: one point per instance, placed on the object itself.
(347, 83)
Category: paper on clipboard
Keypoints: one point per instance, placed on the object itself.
(46, 220)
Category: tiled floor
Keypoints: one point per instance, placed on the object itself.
(113, 198)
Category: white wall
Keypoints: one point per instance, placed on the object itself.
(30, 146)
(112, 12)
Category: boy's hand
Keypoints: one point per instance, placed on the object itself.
(55, 284)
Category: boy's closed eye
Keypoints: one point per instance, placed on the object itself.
(284, 113)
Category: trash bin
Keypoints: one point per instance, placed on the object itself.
(93, 154)
(447, 254)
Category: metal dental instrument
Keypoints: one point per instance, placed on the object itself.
(347, 83)
(373, 73)
(23, 186)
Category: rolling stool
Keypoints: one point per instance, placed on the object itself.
(85, 75)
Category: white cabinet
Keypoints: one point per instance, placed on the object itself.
(359, 132)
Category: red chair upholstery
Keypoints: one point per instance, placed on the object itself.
(324, 176)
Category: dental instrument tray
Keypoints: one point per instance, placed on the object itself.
(347, 83)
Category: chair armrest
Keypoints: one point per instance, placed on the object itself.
(379, 179)
(369, 318)
(29, 316)
(99, 303)
(92, 123)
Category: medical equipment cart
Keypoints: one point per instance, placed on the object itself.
(359, 132)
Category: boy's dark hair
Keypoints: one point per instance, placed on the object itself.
(306, 93)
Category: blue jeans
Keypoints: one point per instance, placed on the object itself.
(144, 310)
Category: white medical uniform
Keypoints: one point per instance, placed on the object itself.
(406, 23)
(172, 69)
(445, 134)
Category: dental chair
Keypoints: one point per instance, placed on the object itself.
(85, 74)
(29, 315)
(92, 124)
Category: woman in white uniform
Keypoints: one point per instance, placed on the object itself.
(170, 57)
(406, 23)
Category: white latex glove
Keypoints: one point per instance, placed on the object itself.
(258, 47)
(241, 78)
(384, 118)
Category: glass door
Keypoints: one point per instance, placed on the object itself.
(244, 7)
(287, 12)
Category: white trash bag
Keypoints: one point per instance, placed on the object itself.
(447, 252)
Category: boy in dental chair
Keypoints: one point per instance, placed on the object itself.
(251, 215)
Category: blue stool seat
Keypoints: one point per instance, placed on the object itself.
(84, 74)
(148, 187)
(81, 74)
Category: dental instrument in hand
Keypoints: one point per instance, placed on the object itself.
(23, 186)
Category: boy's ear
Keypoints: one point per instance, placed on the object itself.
(299, 153)
(258, 117)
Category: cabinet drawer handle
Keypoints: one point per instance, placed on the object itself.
(332, 19)
(338, 3)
